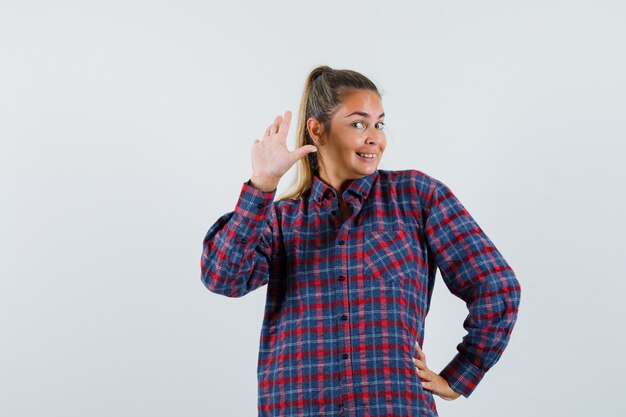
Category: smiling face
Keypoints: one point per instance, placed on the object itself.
(356, 141)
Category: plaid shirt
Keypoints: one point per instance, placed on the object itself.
(346, 302)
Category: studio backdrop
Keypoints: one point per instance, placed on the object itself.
(125, 132)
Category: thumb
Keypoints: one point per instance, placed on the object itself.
(302, 151)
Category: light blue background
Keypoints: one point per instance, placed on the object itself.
(125, 132)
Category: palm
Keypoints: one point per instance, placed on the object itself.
(270, 157)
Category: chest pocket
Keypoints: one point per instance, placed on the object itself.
(389, 255)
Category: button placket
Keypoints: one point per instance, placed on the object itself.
(343, 253)
(344, 335)
(344, 246)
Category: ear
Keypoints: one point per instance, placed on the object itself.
(315, 129)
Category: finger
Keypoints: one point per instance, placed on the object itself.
(428, 385)
(302, 151)
(284, 126)
(425, 375)
(273, 127)
(277, 121)
(420, 364)
(421, 355)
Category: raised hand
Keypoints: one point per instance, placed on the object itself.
(270, 157)
(432, 381)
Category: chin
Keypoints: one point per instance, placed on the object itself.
(366, 171)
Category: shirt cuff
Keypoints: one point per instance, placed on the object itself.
(254, 203)
(462, 375)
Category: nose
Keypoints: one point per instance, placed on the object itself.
(372, 136)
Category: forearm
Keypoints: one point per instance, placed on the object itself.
(475, 271)
(492, 302)
(237, 248)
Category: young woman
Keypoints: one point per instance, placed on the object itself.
(350, 258)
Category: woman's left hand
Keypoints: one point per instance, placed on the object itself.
(432, 381)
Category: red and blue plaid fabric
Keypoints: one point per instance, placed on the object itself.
(346, 302)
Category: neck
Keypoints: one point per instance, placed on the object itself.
(337, 183)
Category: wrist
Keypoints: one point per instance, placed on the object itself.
(264, 183)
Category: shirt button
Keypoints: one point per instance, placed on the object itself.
(342, 278)
(333, 212)
(345, 356)
(243, 240)
(340, 242)
(344, 317)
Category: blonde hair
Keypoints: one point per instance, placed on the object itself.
(323, 94)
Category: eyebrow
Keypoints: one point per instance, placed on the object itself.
(363, 114)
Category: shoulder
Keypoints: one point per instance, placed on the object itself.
(410, 180)
(290, 205)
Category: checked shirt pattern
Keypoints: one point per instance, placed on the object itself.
(347, 300)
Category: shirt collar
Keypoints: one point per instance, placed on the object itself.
(359, 188)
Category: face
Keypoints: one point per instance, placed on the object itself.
(356, 141)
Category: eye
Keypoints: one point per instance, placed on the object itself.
(358, 125)
(380, 125)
